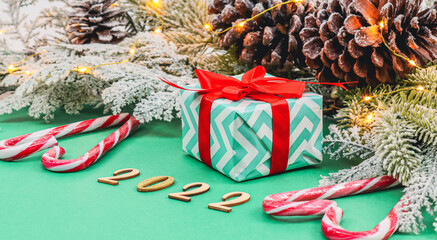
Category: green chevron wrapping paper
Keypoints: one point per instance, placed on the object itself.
(241, 134)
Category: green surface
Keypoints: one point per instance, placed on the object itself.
(38, 204)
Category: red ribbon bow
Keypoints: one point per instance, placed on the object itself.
(255, 85)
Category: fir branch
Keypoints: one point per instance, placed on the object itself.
(395, 144)
(53, 85)
(369, 168)
(347, 143)
(420, 193)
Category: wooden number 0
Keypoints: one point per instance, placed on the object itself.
(161, 182)
(225, 205)
(118, 176)
(183, 196)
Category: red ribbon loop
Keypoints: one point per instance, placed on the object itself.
(234, 93)
(255, 85)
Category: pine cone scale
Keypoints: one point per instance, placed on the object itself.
(93, 21)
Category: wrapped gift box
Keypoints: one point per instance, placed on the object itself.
(241, 134)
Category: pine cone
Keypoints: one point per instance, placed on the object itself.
(342, 39)
(93, 21)
(271, 40)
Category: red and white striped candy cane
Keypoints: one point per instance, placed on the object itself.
(311, 201)
(25, 145)
(50, 160)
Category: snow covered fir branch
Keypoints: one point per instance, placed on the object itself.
(50, 83)
(399, 139)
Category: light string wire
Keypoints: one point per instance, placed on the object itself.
(82, 69)
(366, 98)
(241, 24)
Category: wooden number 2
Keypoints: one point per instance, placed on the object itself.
(161, 183)
(225, 205)
(183, 196)
(128, 173)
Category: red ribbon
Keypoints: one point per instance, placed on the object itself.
(254, 85)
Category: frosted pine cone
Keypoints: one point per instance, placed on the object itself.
(342, 39)
(94, 21)
(271, 40)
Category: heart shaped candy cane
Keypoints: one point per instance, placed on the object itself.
(312, 201)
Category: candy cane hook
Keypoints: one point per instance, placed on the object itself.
(25, 145)
(50, 160)
(311, 201)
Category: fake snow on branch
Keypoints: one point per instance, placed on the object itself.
(53, 84)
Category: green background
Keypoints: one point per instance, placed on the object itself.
(38, 204)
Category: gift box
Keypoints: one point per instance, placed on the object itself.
(244, 134)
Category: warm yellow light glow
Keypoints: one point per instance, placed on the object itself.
(27, 73)
(155, 1)
(367, 98)
(158, 30)
(420, 88)
(381, 25)
(83, 69)
(2, 31)
(12, 68)
(132, 51)
(412, 62)
(241, 24)
(369, 118)
(207, 27)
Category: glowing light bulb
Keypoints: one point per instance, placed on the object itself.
(381, 25)
(155, 1)
(369, 118)
(27, 73)
(207, 27)
(2, 31)
(241, 24)
(83, 69)
(12, 68)
(420, 88)
(367, 98)
(412, 63)
(158, 30)
(132, 51)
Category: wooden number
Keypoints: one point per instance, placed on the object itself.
(225, 205)
(183, 196)
(128, 173)
(162, 182)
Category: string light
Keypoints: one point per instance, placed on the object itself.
(241, 24)
(207, 27)
(367, 98)
(155, 1)
(2, 31)
(86, 70)
(420, 88)
(369, 118)
(27, 72)
(82, 69)
(382, 26)
(158, 30)
(12, 69)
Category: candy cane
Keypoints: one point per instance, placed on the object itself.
(50, 160)
(25, 145)
(310, 202)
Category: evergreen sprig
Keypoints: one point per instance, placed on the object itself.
(402, 137)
